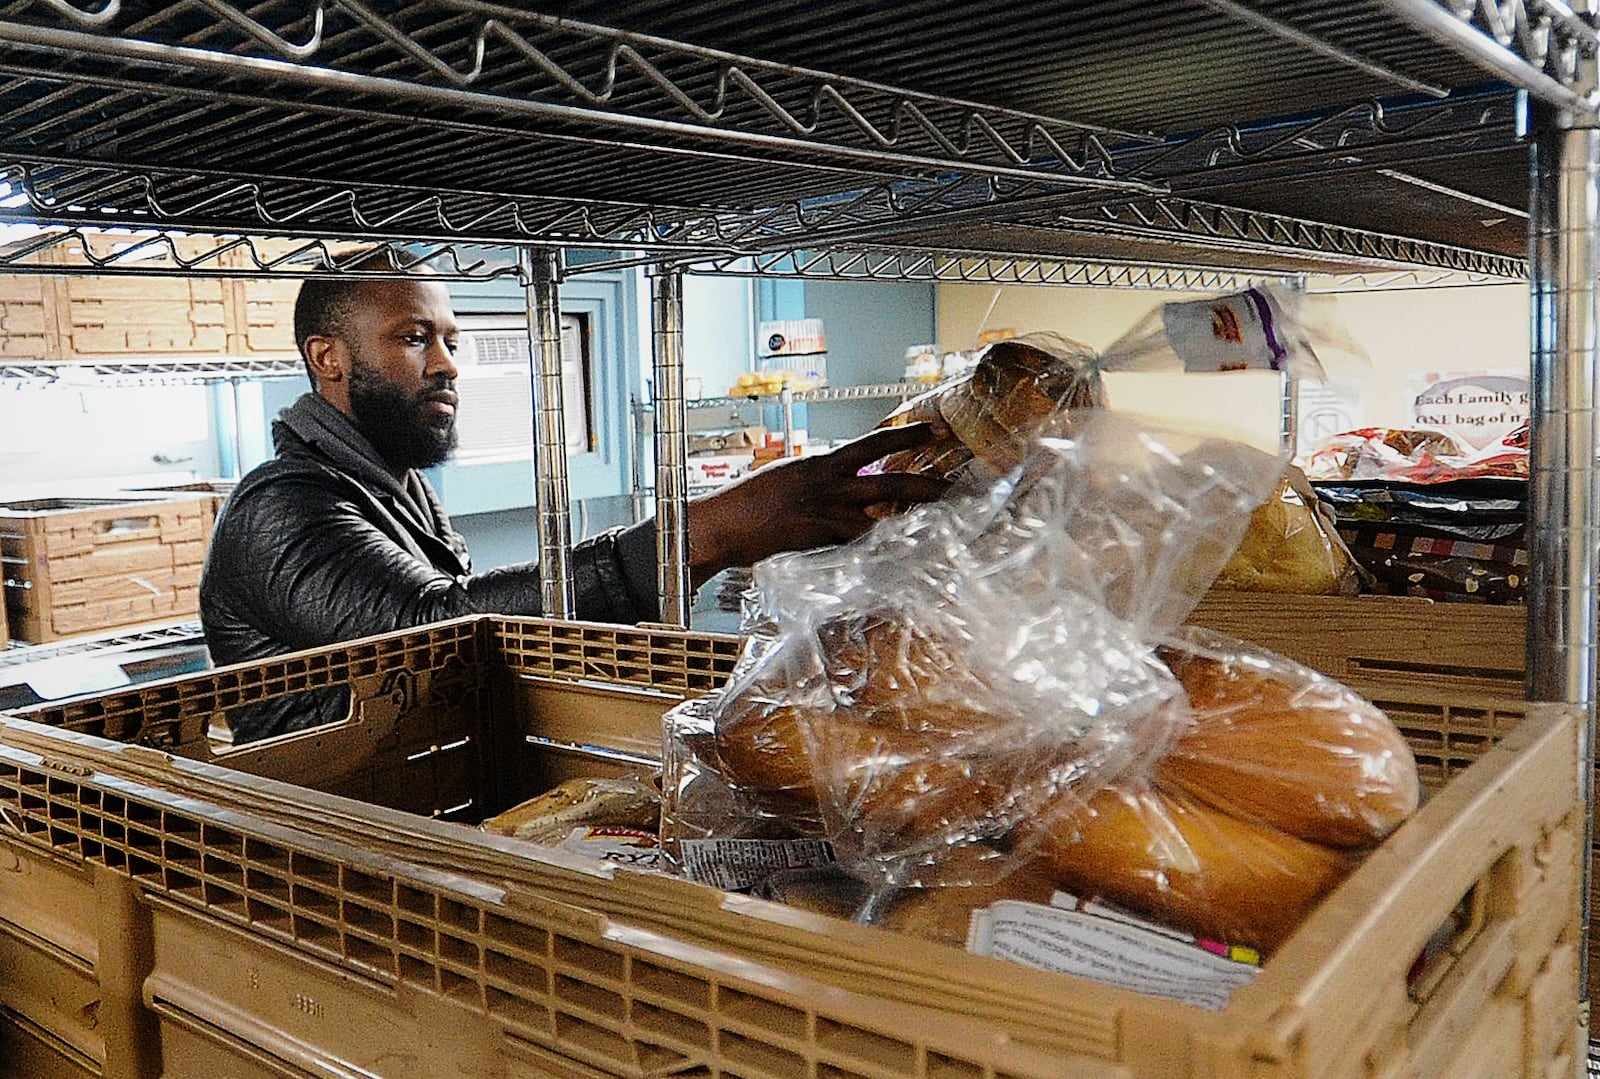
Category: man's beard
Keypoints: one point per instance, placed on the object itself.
(399, 426)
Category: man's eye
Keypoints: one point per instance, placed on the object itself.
(415, 340)
(451, 344)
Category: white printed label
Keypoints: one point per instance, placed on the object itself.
(1108, 951)
(625, 846)
(736, 864)
(1232, 333)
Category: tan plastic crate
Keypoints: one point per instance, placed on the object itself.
(56, 316)
(71, 937)
(262, 316)
(81, 565)
(261, 309)
(115, 316)
(142, 316)
(213, 492)
(1378, 643)
(726, 982)
(29, 1051)
(277, 947)
(291, 947)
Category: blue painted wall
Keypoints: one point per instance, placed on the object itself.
(869, 326)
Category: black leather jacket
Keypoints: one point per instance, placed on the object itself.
(323, 544)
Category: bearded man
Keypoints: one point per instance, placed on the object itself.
(340, 535)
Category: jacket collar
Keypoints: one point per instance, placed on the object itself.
(330, 434)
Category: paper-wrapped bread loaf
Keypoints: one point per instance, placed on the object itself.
(551, 816)
(1290, 548)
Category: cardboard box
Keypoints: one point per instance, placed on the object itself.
(279, 906)
(714, 470)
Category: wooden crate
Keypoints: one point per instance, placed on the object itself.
(76, 566)
(419, 924)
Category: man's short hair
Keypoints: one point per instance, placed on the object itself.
(321, 310)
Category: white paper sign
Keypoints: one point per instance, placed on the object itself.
(1474, 407)
(1326, 409)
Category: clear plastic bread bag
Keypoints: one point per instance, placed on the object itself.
(1264, 327)
(923, 690)
(1292, 546)
(1279, 780)
(984, 417)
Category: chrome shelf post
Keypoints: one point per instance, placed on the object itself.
(672, 470)
(1563, 540)
(543, 274)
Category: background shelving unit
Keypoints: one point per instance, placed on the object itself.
(643, 415)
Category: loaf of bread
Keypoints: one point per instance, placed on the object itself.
(550, 817)
(1016, 388)
(1186, 864)
(938, 914)
(1408, 442)
(1289, 548)
(943, 454)
(912, 784)
(1281, 745)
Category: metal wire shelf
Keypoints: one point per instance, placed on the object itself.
(481, 123)
(872, 264)
(156, 252)
(462, 121)
(151, 370)
(524, 66)
(874, 391)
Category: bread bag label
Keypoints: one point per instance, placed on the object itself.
(626, 846)
(1113, 951)
(736, 864)
(1230, 333)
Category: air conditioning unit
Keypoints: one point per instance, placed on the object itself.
(495, 419)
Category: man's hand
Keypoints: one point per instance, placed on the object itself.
(803, 502)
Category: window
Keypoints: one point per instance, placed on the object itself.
(496, 413)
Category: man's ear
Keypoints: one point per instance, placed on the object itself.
(326, 357)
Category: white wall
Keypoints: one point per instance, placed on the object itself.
(718, 330)
(1402, 331)
(55, 439)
